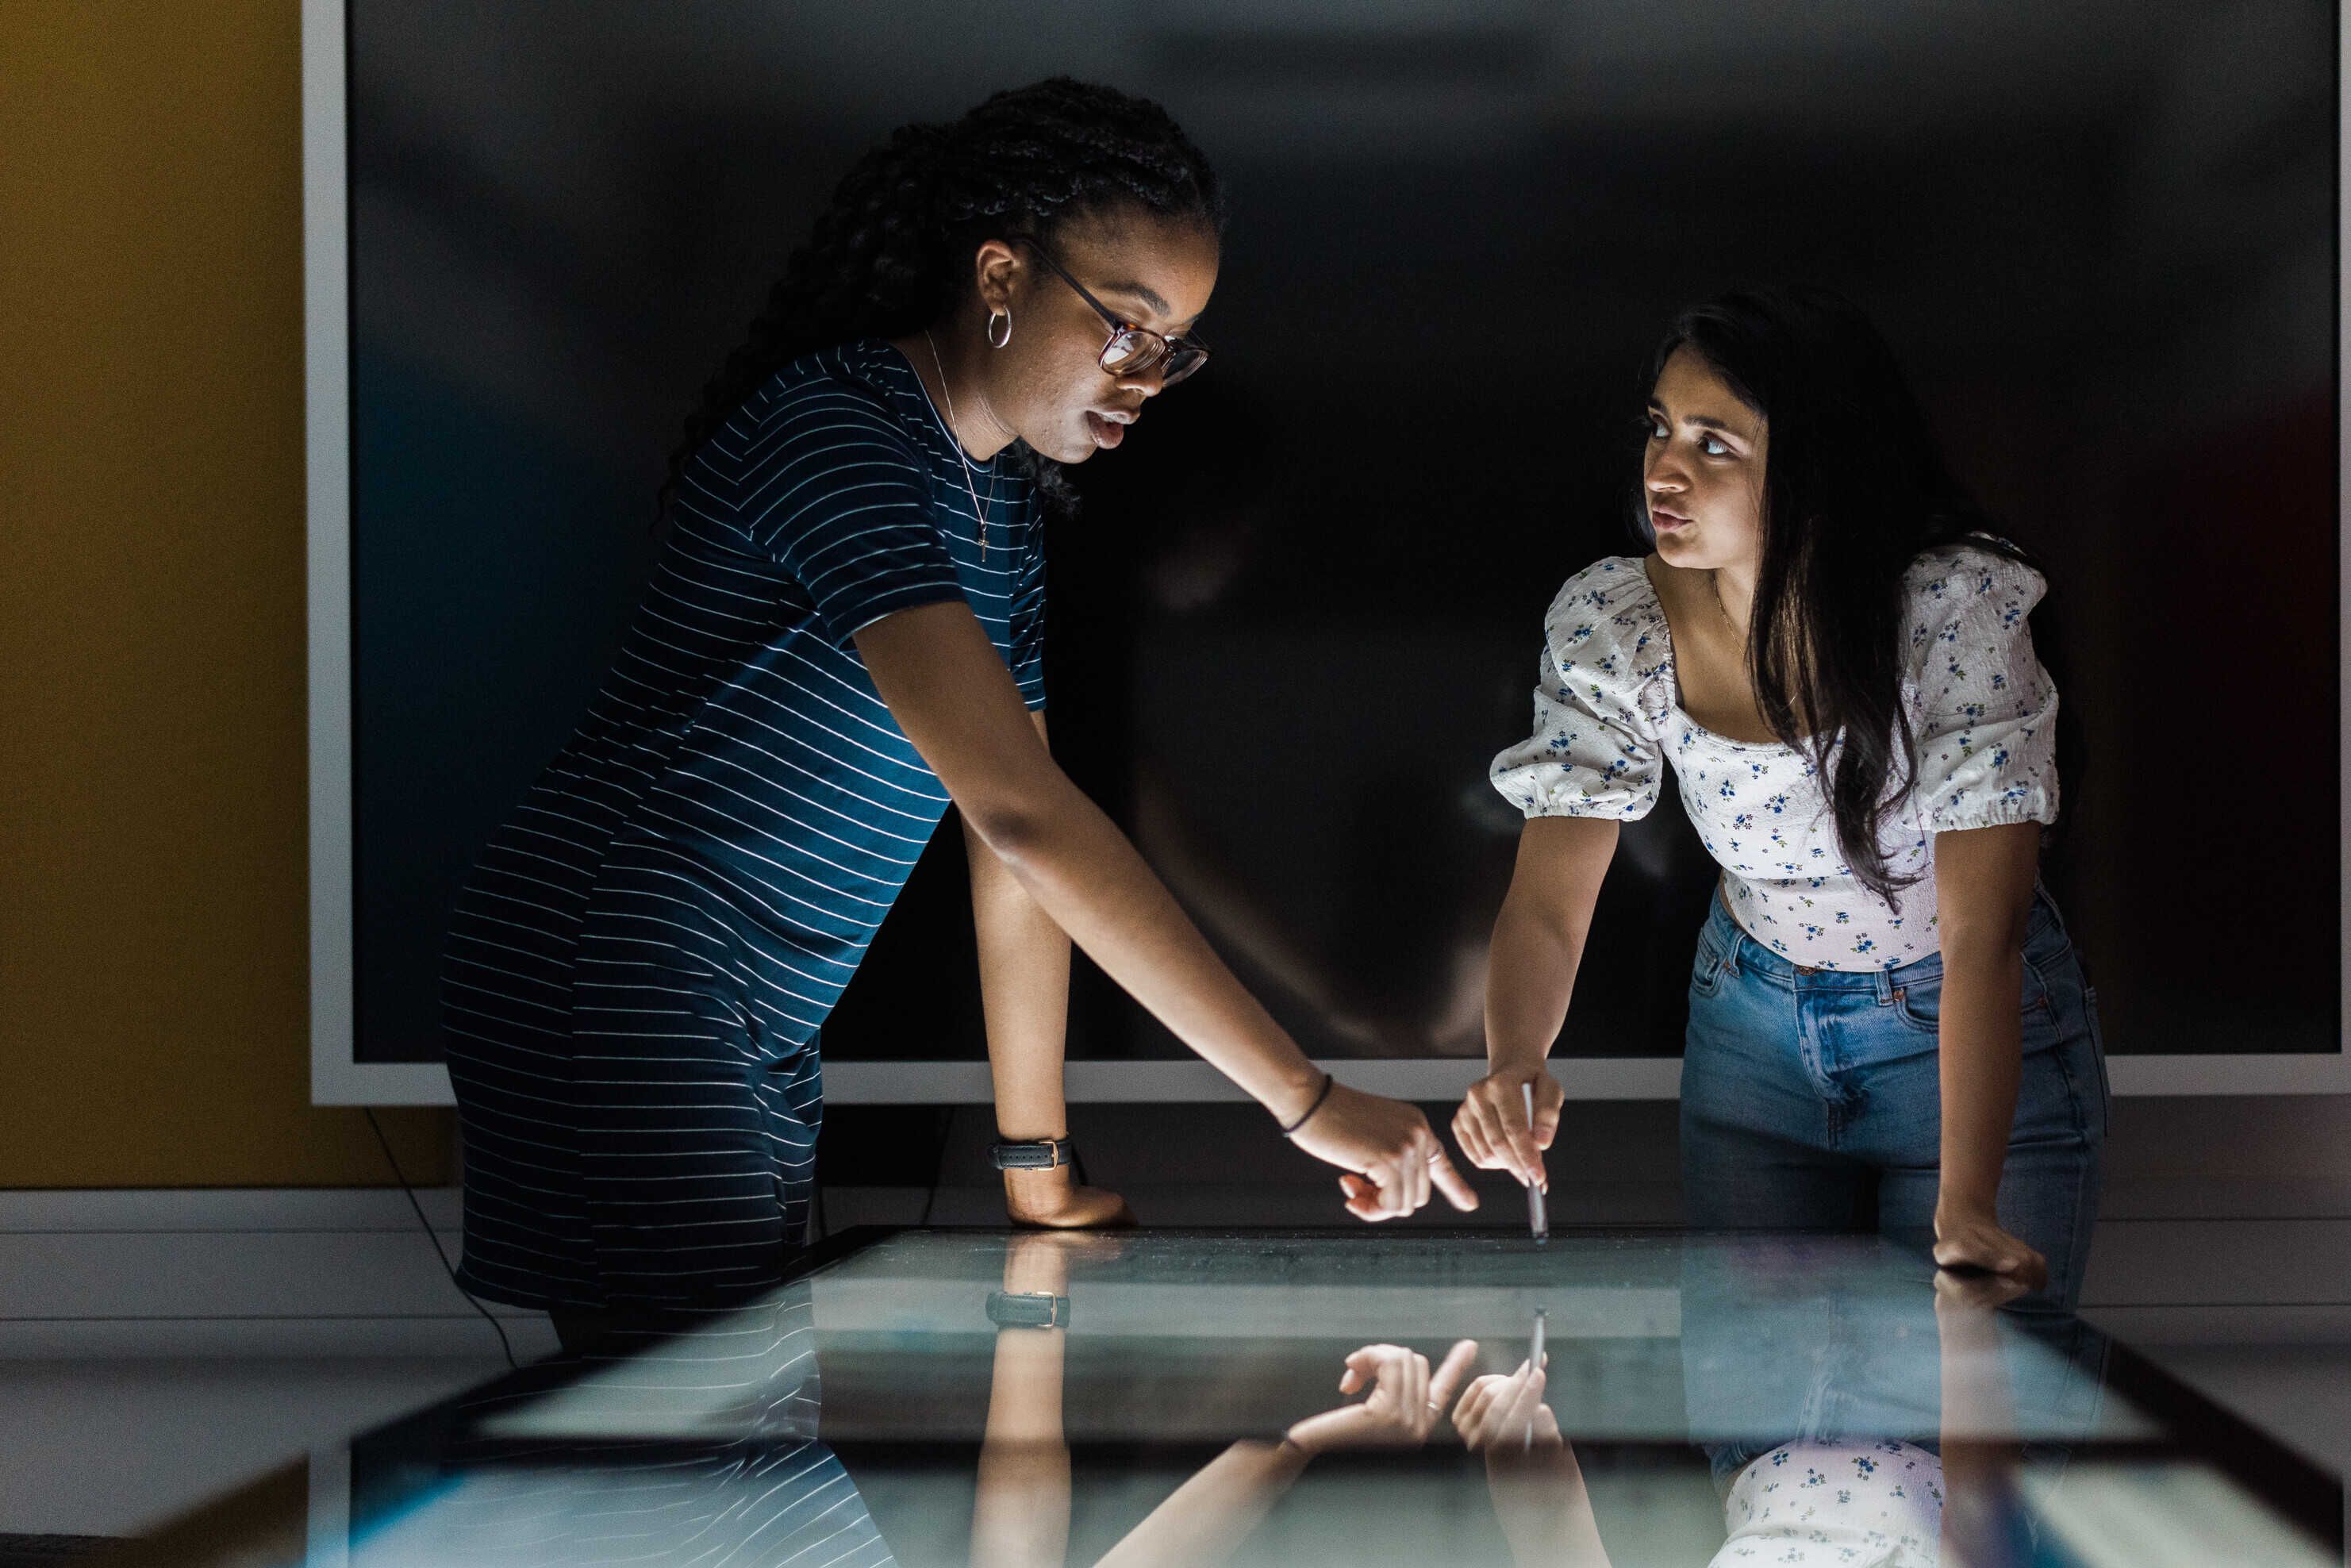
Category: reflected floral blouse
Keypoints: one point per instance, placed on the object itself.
(1608, 719)
(1876, 1505)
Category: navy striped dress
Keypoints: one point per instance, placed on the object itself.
(638, 966)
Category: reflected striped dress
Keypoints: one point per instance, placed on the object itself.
(638, 968)
(658, 1446)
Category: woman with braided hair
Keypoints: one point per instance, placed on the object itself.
(842, 635)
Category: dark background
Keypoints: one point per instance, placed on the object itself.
(1301, 609)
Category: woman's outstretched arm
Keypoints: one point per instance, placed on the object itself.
(1983, 891)
(1024, 992)
(1537, 946)
(949, 691)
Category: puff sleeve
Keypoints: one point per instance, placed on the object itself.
(1594, 750)
(1984, 712)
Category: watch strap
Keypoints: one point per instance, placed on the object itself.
(1028, 1310)
(1036, 1155)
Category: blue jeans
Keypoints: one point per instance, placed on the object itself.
(1811, 1099)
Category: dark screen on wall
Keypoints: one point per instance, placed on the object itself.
(1300, 609)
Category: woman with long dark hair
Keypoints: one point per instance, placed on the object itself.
(843, 636)
(1832, 650)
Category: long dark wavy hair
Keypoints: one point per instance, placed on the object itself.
(1855, 489)
(892, 255)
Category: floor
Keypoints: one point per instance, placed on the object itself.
(2298, 1393)
(103, 1446)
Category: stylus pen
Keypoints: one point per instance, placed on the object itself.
(1538, 1220)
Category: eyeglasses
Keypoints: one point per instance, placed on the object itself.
(1133, 350)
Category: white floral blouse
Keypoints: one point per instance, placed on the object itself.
(1608, 718)
(1874, 1505)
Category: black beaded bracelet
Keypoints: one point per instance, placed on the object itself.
(1327, 1082)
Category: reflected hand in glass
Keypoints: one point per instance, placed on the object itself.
(1499, 1411)
(1532, 1478)
(1206, 1520)
(1404, 1402)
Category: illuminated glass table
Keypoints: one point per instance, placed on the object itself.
(1159, 1398)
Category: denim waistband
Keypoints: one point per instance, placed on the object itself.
(1741, 954)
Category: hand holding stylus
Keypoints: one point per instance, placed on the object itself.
(1508, 1119)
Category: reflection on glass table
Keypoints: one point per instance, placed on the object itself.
(1164, 1399)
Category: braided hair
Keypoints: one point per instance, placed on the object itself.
(892, 254)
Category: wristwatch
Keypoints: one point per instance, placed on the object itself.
(1038, 1154)
(1028, 1310)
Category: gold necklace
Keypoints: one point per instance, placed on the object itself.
(956, 441)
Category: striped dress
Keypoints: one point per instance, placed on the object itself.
(638, 966)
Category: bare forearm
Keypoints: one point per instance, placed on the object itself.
(1529, 983)
(949, 689)
(1984, 879)
(1980, 1049)
(1207, 1518)
(1985, 891)
(1020, 1511)
(1024, 991)
(1540, 935)
(1548, 1520)
(1085, 876)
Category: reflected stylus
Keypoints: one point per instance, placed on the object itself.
(1538, 1220)
(1535, 1364)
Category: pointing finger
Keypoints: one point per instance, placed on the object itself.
(1449, 1181)
(1450, 1372)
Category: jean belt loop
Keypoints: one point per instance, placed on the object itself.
(2046, 905)
(1730, 949)
(1885, 987)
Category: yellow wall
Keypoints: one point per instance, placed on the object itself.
(153, 991)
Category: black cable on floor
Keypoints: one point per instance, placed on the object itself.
(393, 1161)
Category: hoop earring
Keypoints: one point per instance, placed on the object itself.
(993, 318)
